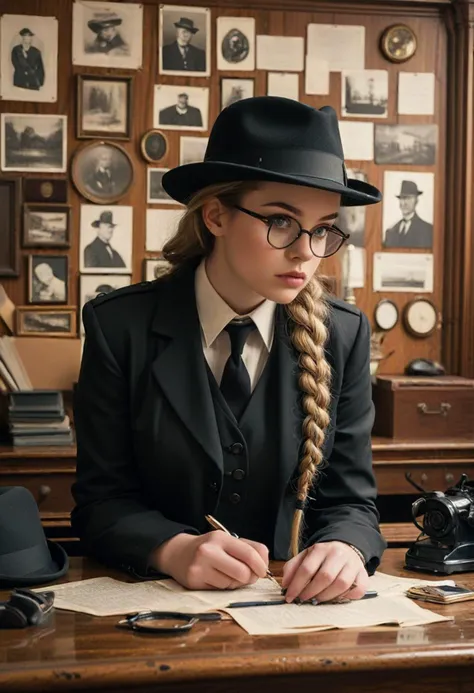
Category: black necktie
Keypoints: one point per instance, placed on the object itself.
(235, 383)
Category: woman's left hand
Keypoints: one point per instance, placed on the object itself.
(325, 571)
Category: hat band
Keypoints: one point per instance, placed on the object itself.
(19, 564)
(290, 162)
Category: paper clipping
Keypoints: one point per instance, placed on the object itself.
(109, 597)
(403, 272)
(161, 225)
(416, 93)
(316, 76)
(342, 47)
(284, 84)
(357, 140)
(280, 53)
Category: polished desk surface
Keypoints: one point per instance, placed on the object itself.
(80, 652)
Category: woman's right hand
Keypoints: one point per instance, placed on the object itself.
(215, 560)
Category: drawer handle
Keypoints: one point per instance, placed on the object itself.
(44, 492)
(442, 411)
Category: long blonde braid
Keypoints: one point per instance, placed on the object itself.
(308, 312)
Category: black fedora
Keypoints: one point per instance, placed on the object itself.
(104, 218)
(26, 556)
(408, 189)
(185, 23)
(273, 139)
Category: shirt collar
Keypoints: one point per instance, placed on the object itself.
(215, 313)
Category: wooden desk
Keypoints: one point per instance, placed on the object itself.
(49, 473)
(77, 652)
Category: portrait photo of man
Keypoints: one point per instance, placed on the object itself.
(181, 114)
(101, 180)
(411, 231)
(181, 55)
(99, 253)
(27, 61)
(108, 38)
(47, 287)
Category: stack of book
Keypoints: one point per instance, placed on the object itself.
(37, 417)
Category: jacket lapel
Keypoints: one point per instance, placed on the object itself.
(180, 366)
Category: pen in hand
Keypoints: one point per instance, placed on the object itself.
(217, 525)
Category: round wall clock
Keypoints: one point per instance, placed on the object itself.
(420, 317)
(386, 314)
(398, 43)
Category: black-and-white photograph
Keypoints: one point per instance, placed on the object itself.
(46, 226)
(102, 172)
(155, 268)
(235, 89)
(153, 146)
(107, 34)
(192, 149)
(156, 194)
(236, 43)
(364, 93)
(45, 322)
(48, 278)
(180, 108)
(34, 143)
(406, 144)
(403, 272)
(161, 225)
(106, 237)
(352, 219)
(92, 285)
(29, 58)
(184, 37)
(104, 107)
(408, 208)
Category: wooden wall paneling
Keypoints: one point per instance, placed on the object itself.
(275, 17)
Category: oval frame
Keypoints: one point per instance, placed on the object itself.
(145, 136)
(412, 332)
(80, 186)
(384, 40)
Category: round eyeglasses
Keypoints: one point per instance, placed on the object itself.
(325, 240)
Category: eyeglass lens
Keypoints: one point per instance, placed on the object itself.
(284, 231)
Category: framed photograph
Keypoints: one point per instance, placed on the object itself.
(93, 284)
(105, 243)
(352, 219)
(107, 34)
(10, 196)
(29, 58)
(364, 93)
(408, 209)
(46, 226)
(104, 106)
(161, 225)
(34, 143)
(184, 37)
(45, 321)
(403, 272)
(154, 268)
(180, 108)
(48, 278)
(102, 172)
(406, 144)
(45, 190)
(154, 146)
(236, 43)
(156, 194)
(192, 149)
(235, 89)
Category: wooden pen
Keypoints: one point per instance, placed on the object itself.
(218, 525)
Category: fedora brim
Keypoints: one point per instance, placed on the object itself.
(182, 26)
(182, 182)
(58, 566)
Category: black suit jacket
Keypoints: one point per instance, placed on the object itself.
(173, 60)
(419, 235)
(149, 457)
(170, 116)
(97, 255)
(28, 71)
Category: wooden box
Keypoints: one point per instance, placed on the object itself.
(424, 408)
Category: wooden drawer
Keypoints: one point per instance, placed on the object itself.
(52, 491)
(432, 477)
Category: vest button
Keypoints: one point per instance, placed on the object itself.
(238, 474)
(213, 486)
(234, 498)
(236, 448)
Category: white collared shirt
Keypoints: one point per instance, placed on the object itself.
(215, 314)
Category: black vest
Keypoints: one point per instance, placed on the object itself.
(249, 498)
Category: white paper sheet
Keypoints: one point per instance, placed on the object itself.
(342, 47)
(353, 267)
(357, 140)
(161, 225)
(403, 272)
(416, 93)
(280, 53)
(316, 76)
(284, 84)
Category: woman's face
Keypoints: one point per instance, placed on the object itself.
(243, 266)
